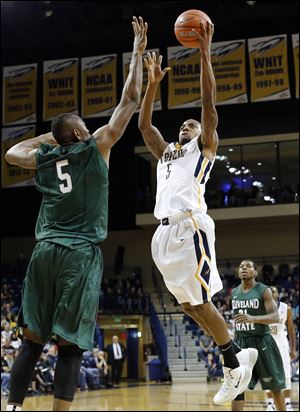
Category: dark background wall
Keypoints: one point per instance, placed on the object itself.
(87, 28)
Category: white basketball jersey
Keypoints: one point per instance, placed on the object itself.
(182, 173)
(279, 329)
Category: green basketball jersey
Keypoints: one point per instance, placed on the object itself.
(74, 183)
(252, 303)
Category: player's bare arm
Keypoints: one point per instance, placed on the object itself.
(271, 309)
(209, 117)
(23, 154)
(109, 134)
(291, 334)
(151, 135)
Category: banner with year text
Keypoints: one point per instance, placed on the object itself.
(126, 64)
(19, 94)
(229, 66)
(60, 87)
(98, 85)
(269, 68)
(295, 40)
(14, 176)
(183, 78)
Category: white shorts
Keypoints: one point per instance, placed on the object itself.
(283, 346)
(184, 252)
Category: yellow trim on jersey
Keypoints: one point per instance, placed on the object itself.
(202, 170)
(199, 195)
(204, 257)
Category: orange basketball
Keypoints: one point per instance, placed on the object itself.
(184, 24)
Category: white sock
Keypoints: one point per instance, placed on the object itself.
(270, 401)
(13, 408)
(287, 400)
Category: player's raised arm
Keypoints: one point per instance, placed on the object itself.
(209, 117)
(109, 134)
(23, 154)
(151, 135)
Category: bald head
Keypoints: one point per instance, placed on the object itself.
(69, 129)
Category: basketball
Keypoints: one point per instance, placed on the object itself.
(184, 24)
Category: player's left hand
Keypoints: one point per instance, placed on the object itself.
(243, 318)
(140, 34)
(205, 38)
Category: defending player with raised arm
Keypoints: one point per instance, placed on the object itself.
(74, 128)
(254, 309)
(61, 289)
(183, 246)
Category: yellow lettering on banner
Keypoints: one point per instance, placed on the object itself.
(11, 175)
(269, 68)
(19, 94)
(184, 77)
(229, 66)
(99, 89)
(60, 87)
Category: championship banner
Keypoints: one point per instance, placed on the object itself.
(60, 87)
(14, 176)
(19, 94)
(184, 77)
(229, 66)
(295, 40)
(126, 64)
(98, 85)
(269, 68)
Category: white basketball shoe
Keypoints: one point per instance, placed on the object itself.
(236, 380)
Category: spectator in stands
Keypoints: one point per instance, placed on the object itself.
(6, 332)
(15, 342)
(228, 273)
(5, 373)
(214, 366)
(288, 283)
(103, 369)
(206, 344)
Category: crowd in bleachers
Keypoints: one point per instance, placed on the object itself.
(124, 294)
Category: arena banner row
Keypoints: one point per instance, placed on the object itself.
(295, 40)
(126, 63)
(269, 68)
(14, 176)
(228, 61)
(19, 94)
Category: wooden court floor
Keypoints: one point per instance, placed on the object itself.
(152, 397)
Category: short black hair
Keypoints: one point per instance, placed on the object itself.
(252, 261)
(58, 125)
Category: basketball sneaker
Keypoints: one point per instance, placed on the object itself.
(236, 380)
(289, 406)
(248, 358)
(271, 407)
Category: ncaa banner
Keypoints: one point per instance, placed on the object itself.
(229, 66)
(14, 176)
(19, 94)
(98, 85)
(60, 87)
(184, 77)
(269, 68)
(126, 64)
(295, 40)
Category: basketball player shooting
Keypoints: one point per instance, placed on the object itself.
(183, 244)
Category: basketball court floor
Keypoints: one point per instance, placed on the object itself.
(153, 397)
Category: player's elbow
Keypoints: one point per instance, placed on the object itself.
(10, 157)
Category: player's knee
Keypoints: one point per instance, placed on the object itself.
(204, 310)
(68, 364)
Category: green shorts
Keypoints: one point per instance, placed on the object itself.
(269, 367)
(61, 292)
